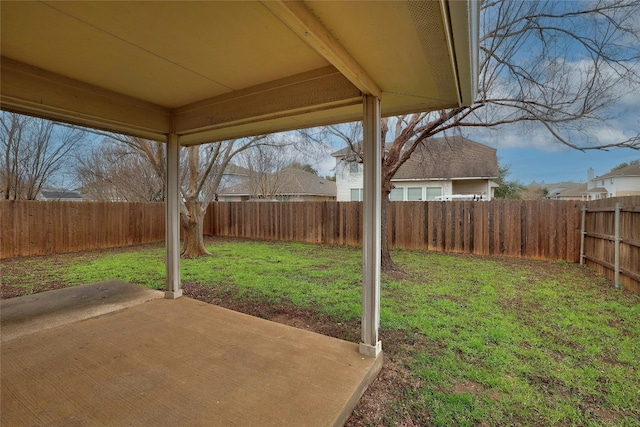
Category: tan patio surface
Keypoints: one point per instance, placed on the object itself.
(115, 354)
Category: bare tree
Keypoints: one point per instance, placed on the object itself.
(550, 65)
(119, 173)
(33, 152)
(202, 170)
(266, 166)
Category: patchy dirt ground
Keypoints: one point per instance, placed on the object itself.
(388, 400)
(382, 403)
(383, 396)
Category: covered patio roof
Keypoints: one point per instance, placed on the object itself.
(193, 72)
(211, 71)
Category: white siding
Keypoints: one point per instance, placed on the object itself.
(423, 185)
(347, 180)
(616, 186)
(623, 185)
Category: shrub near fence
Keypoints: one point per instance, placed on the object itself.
(30, 228)
(547, 229)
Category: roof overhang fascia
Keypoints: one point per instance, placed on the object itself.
(461, 20)
(33, 91)
(248, 111)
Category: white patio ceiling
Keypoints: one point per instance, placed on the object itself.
(210, 71)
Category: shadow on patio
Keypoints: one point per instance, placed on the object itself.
(112, 353)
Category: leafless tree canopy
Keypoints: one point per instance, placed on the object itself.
(133, 169)
(558, 67)
(119, 173)
(559, 64)
(267, 167)
(33, 151)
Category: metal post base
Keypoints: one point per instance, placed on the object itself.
(370, 350)
(173, 294)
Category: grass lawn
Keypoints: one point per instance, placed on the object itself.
(468, 340)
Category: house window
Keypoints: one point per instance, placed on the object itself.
(356, 194)
(414, 193)
(611, 180)
(397, 194)
(602, 182)
(433, 192)
(355, 167)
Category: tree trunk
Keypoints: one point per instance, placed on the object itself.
(192, 225)
(386, 263)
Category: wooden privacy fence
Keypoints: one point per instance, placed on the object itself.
(541, 229)
(611, 240)
(547, 229)
(30, 228)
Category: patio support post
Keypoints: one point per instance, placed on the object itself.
(172, 219)
(371, 250)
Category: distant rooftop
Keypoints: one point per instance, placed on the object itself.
(449, 157)
(631, 170)
(297, 183)
(61, 195)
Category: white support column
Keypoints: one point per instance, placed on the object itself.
(172, 219)
(371, 250)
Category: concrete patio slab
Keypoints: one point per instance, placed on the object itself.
(175, 362)
(47, 310)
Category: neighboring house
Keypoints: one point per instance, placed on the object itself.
(233, 175)
(291, 184)
(451, 168)
(60, 195)
(566, 191)
(620, 182)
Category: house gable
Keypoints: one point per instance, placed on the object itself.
(617, 183)
(439, 167)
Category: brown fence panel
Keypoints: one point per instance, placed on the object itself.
(532, 229)
(31, 228)
(546, 229)
(600, 244)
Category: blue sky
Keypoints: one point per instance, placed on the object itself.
(529, 164)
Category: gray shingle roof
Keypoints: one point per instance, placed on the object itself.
(631, 170)
(574, 190)
(60, 194)
(297, 183)
(449, 157)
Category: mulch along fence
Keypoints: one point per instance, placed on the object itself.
(541, 229)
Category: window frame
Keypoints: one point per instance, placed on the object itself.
(409, 195)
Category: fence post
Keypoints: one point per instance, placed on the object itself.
(583, 231)
(616, 273)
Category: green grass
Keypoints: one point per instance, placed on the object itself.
(503, 341)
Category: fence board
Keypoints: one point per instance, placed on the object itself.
(534, 229)
(32, 228)
(546, 229)
(600, 243)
